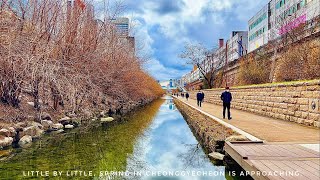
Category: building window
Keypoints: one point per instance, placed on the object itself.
(280, 3)
(258, 21)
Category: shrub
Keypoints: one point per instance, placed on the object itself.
(254, 71)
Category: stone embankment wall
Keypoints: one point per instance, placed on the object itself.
(208, 131)
(295, 101)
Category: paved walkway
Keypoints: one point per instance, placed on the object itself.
(264, 128)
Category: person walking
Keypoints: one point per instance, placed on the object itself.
(226, 97)
(187, 96)
(202, 96)
(199, 98)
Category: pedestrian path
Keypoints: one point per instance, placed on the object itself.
(263, 128)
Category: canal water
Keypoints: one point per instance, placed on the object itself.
(153, 143)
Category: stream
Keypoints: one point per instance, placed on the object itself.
(155, 142)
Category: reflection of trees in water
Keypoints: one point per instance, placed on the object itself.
(136, 161)
(192, 157)
(96, 148)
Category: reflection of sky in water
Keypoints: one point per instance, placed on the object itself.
(169, 145)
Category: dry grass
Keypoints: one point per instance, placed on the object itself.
(300, 62)
(254, 71)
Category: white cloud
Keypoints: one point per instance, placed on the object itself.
(159, 71)
(187, 23)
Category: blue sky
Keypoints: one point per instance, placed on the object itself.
(163, 27)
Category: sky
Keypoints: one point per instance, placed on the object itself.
(163, 27)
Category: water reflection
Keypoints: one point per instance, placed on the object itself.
(169, 102)
(168, 145)
(154, 139)
(99, 148)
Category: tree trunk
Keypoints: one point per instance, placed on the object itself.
(35, 94)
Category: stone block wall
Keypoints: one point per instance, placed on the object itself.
(295, 101)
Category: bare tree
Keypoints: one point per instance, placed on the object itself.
(62, 56)
(208, 62)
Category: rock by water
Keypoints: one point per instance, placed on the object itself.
(9, 132)
(69, 126)
(5, 141)
(64, 121)
(47, 124)
(108, 119)
(5, 132)
(216, 155)
(20, 125)
(33, 131)
(25, 141)
(57, 126)
(36, 124)
(13, 132)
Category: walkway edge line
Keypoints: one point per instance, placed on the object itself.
(249, 136)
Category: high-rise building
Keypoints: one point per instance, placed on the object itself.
(122, 26)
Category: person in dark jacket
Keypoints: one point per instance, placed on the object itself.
(187, 96)
(199, 98)
(202, 96)
(226, 97)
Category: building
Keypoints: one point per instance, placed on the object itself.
(192, 80)
(122, 26)
(122, 29)
(287, 15)
(215, 59)
(169, 86)
(237, 45)
(275, 19)
(258, 29)
(185, 79)
(279, 17)
(130, 41)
